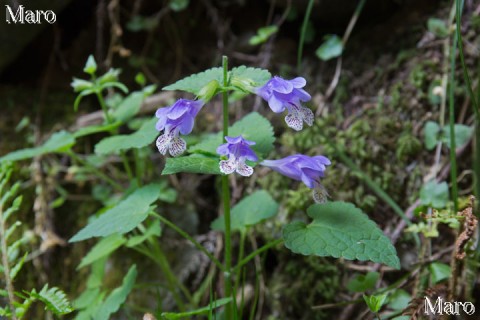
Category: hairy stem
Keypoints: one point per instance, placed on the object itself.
(123, 155)
(226, 200)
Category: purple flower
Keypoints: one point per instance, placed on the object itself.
(299, 167)
(284, 94)
(238, 150)
(175, 119)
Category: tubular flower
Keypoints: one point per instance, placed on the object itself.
(174, 120)
(303, 168)
(284, 94)
(238, 151)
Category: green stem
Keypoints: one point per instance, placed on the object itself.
(252, 255)
(123, 155)
(451, 117)
(240, 257)
(138, 167)
(474, 99)
(303, 32)
(226, 200)
(104, 107)
(98, 172)
(189, 238)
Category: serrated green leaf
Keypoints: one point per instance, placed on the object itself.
(90, 65)
(431, 134)
(438, 272)
(363, 282)
(129, 107)
(181, 315)
(124, 217)
(192, 164)
(117, 297)
(252, 127)
(332, 47)
(102, 249)
(462, 135)
(375, 302)
(59, 142)
(139, 139)
(339, 229)
(196, 82)
(256, 76)
(251, 210)
(434, 194)
(155, 230)
(438, 27)
(54, 299)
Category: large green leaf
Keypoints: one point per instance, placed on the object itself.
(59, 142)
(103, 248)
(117, 297)
(251, 210)
(196, 82)
(192, 164)
(256, 76)
(139, 139)
(252, 127)
(124, 217)
(339, 229)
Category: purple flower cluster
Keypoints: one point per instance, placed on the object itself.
(237, 149)
(281, 95)
(173, 120)
(284, 94)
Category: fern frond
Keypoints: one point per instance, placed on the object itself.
(54, 299)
